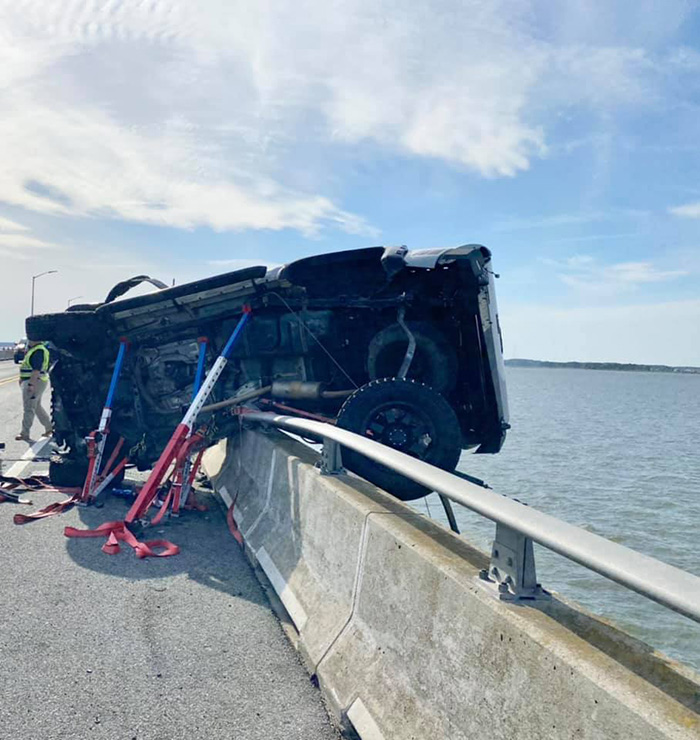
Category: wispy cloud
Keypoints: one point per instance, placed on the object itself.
(689, 210)
(548, 222)
(7, 225)
(16, 244)
(105, 114)
(584, 218)
(594, 237)
(587, 274)
(23, 241)
(561, 221)
(184, 114)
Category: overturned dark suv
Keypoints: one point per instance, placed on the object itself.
(402, 346)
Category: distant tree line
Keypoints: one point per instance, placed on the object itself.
(628, 366)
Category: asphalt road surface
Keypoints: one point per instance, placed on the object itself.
(11, 409)
(112, 647)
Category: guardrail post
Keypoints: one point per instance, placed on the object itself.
(512, 568)
(331, 458)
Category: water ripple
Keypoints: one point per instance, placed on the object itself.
(615, 453)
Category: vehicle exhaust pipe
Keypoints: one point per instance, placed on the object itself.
(302, 390)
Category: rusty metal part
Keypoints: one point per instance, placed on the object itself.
(296, 389)
(304, 390)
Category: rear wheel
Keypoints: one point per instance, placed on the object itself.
(405, 415)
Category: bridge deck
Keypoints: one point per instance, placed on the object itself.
(99, 646)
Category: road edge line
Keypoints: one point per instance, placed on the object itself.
(16, 470)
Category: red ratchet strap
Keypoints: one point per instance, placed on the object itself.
(92, 442)
(33, 483)
(51, 510)
(181, 461)
(176, 478)
(94, 478)
(13, 498)
(108, 474)
(8, 488)
(77, 495)
(150, 489)
(233, 527)
(165, 505)
(110, 462)
(189, 498)
(117, 532)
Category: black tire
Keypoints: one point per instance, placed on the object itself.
(71, 470)
(73, 410)
(67, 471)
(434, 363)
(401, 414)
(67, 330)
(62, 432)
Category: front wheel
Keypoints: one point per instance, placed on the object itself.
(408, 416)
(71, 471)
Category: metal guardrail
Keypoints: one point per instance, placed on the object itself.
(512, 570)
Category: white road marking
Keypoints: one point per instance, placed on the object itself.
(223, 492)
(363, 721)
(17, 470)
(287, 596)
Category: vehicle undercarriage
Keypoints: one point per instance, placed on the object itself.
(400, 345)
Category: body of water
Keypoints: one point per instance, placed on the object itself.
(616, 453)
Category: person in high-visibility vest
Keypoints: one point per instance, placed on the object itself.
(33, 379)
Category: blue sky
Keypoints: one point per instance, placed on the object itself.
(184, 139)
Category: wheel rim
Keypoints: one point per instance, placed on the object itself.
(402, 426)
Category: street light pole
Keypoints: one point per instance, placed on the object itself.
(34, 277)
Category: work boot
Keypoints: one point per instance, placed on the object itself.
(22, 438)
(48, 433)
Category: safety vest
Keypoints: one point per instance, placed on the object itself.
(26, 370)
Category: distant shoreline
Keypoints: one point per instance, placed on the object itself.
(620, 366)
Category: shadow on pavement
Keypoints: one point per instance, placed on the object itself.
(208, 553)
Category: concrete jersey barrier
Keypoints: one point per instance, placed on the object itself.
(404, 639)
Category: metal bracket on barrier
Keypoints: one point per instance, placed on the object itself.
(512, 567)
(331, 458)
